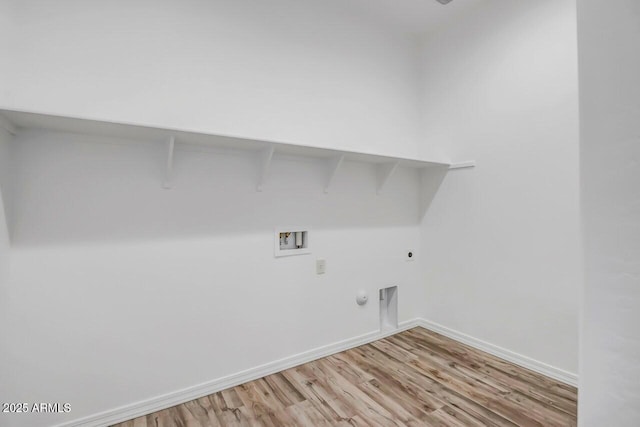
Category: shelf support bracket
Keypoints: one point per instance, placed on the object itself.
(384, 172)
(168, 176)
(265, 165)
(7, 125)
(430, 180)
(334, 165)
(463, 165)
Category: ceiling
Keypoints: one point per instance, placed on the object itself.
(417, 16)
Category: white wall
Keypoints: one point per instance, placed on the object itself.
(5, 302)
(304, 71)
(501, 241)
(5, 139)
(6, 46)
(609, 42)
(174, 288)
(134, 291)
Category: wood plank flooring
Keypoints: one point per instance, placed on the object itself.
(414, 378)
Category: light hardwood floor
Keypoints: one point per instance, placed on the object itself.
(415, 378)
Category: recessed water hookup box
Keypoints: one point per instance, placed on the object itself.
(291, 241)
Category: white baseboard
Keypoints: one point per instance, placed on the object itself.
(168, 400)
(508, 355)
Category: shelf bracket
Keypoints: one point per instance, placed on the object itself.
(384, 172)
(7, 125)
(430, 180)
(168, 176)
(334, 165)
(463, 165)
(265, 165)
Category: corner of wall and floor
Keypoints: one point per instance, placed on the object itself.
(157, 403)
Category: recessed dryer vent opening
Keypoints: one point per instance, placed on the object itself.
(389, 308)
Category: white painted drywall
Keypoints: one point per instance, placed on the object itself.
(6, 47)
(501, 241)
(5, 139)
(134, 291)
(609, 42)
(306, 71)
(5, 301)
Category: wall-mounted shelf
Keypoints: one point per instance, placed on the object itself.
(264, 151)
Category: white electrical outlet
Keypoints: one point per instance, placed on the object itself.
(410, 255)
(321, 266)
